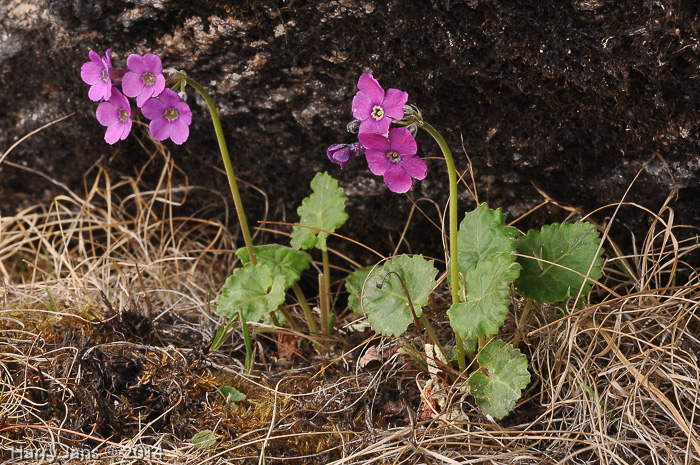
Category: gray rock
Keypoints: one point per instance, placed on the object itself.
(572, 98)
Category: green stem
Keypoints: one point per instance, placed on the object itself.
(431, 332)
(453, 227)
(229, 168)
(247, 342)
(522, 321)
(288, 317)
(327, 292)
(323, 299)
(307, 310)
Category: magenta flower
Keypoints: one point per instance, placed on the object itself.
(144, 79)
(374, 108)
(342, 154)
(170, 117)
(394, 157)
(115, 113)
(96, 73)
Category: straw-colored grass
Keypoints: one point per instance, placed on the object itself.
(106, 315)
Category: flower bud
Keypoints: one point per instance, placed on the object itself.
(353, 126)
(342, 154)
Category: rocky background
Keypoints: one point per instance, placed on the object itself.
(569, 97)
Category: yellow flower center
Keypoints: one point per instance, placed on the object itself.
(105, 75)
(394, 157)
(123, 116)
(171, 114)
(377, 112)
(148, 79)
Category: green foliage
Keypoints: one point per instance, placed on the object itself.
(353, 284)
(482, 234)
(497, 386)
(384, 299)
(281, 260)
(488, 288)
(571, 248)
(486, 259)
(231, 394)
(253, 290)
(220, 335)
(205, 439)
(323, 209)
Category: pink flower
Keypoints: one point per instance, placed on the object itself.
(116, 115)
(96, 73)
(170, 117)
(144, 79)
(394, 158)
(374, 108)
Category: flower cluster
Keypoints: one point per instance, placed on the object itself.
(390, 153)
(143, 80)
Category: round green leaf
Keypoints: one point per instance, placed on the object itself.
(281, 260)
(353, 284)
(572, 248)
(482, 234)
(253, 290)
(488, 288)
(497, 386)
(384, 299)
(323, 209)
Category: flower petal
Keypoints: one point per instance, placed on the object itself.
(106, 113)
(361, 106)
(377, 161)
(100, 91)
(393, 103)
(179, 131)
(127, 128)
(374, 142)
(91, 73)
(153, 64)
(415, 166)
(114, 132)
(153, 109)
(160, 128)
(158, 85)
(169, 98)
(183, 112)
(146, 93)
(136, 64)
(119, 101)
(370, 87)
(132, 84)
(397, 179)
(402, 141)
(372, 126)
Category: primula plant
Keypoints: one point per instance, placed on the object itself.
(486, 259)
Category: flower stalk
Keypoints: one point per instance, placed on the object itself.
(247, 238)
(452, 228)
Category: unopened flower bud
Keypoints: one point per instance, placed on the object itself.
(342, 154)
(354, 126)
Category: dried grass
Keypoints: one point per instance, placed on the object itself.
(106, 323)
